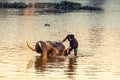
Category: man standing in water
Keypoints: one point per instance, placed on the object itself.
(73, 44)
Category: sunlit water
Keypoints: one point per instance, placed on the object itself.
(98, 34)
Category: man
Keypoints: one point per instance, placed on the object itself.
(73, 44)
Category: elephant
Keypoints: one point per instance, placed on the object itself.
(48, 48)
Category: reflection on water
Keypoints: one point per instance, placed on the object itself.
(39, 65)
(29, 11)
(72, 66)
(97, 33)
(71, 69)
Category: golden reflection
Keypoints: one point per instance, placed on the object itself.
(29, 65)
(40, 64)
(29, 11)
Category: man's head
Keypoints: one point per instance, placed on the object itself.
(70, 37)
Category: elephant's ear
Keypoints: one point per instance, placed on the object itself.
(43, 47)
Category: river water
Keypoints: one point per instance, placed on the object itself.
(98, 34)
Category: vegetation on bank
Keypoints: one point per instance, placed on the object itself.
(17, 5)
(63, 6)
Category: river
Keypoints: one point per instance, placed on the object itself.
(98, 34)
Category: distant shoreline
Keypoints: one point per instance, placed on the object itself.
(64, 6)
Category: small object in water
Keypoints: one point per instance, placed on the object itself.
(75, 60)
(47, 24)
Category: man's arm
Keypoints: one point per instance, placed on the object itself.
(64, 40)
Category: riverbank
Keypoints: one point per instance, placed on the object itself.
(65, 6)
(17, 5)
(60, 7)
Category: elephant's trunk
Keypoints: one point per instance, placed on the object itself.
(30, 47)
(43, 46)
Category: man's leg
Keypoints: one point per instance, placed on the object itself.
(75, 51)
(69, 51)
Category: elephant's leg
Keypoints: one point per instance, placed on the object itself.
(63, 52)
(53, 49)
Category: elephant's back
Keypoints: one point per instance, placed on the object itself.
(58, 45)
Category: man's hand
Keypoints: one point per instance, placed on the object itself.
(68, 48)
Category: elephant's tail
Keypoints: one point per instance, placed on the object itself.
(30, 47)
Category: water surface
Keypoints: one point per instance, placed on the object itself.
(98, 34)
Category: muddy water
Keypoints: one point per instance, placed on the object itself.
(98, 34)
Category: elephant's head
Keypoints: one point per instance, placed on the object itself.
(40, 47)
